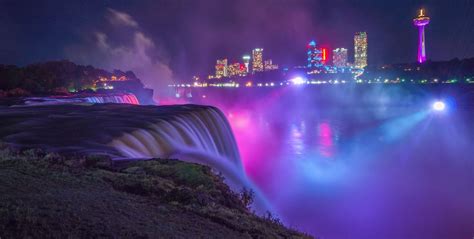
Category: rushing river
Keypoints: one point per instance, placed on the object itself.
(372, 164)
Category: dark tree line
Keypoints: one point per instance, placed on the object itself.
(54, 76)
(455, 69)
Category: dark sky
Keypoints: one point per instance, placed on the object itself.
(183, 37)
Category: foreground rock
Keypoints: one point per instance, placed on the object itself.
(51, 196)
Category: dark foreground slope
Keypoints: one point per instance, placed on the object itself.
(51, 196)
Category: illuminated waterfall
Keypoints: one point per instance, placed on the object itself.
(119, 99)
(192, 133)
(127, 98)
(198, 136)
(195, 135)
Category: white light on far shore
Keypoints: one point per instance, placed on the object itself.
(298, 81)
(439, 106)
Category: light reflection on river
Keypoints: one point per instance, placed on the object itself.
(360, 172)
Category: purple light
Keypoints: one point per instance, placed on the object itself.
(421, 21)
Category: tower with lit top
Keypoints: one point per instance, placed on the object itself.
(421, 21)
(246, 60)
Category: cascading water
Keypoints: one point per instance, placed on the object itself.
(118, 99)
(198, 134)
(203, 137)
(126, 98)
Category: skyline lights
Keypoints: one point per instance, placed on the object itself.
(269, 66)
(246, 60)
(257, 63)
(360, 50)
(221, 68)
(314, 55)
(340, 57)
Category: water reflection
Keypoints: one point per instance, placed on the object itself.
(296, 139)
(326, 144)
(360, 172)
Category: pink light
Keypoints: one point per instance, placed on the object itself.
(326, 140)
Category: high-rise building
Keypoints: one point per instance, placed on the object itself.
(339, 57)
(315, 55)
(221, 68)
(236, 69)
(257, 64)
(421, 21)
(269, 66)
(360, 49)
(246, 60)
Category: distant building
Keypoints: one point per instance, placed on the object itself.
(236, 69)
(360, 47)
(315, 56)
(246, 60)
(340, 57)
(257, 64)
(269, 66)
(221, 68)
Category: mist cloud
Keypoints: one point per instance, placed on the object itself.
(126, 47)
(120, 18)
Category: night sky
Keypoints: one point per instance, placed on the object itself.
(178, 38)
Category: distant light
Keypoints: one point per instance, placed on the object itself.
(298, 81)
(439, 106)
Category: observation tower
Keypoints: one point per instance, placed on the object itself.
(421, 21)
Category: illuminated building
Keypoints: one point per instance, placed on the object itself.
(243, 69)
(221, 68)
(236, 69)
(421, 21)
(324, 55)
(339, 57)
(246, 59)
(315, 56)
(360, 49)
(257, 64)
(269, 66)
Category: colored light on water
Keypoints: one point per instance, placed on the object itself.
(439, 106)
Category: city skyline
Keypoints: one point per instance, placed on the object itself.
(317, 58)
(208, 32)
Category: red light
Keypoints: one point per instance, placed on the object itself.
(324, 54)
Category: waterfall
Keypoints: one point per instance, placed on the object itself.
(126, 98)
(192, 133)
(198, 136)
(118, 99)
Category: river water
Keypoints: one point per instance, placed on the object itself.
(373, 164)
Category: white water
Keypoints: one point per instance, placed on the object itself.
(203, 137)
(119, 99)
(97, 99)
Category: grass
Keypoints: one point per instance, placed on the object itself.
(56, 196)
